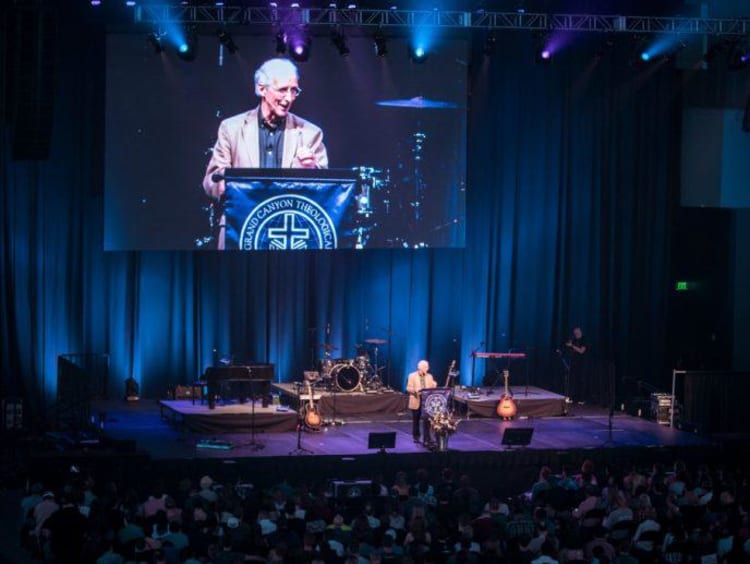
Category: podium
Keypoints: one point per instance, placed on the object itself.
(292, 209)
(435, 400)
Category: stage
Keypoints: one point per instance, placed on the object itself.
(530, 400)
(156, 432)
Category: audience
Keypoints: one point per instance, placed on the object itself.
(674, 515)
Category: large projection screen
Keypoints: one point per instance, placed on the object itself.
(399, 126)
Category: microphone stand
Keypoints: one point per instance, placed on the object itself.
(566, 379)
(254, 443)
(300, 450)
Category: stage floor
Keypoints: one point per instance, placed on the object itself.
(164, 437)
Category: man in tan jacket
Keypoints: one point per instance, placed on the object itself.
(419, 380)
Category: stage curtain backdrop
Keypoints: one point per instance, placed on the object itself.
(571, 189)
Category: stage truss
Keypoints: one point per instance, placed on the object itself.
(161, 14)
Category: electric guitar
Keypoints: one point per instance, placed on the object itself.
(506, 407)
(312, 417)
(452, 373)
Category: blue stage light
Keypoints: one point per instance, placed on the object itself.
(418, 53)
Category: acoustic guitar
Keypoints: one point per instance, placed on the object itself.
(312, 418)
(506, 407)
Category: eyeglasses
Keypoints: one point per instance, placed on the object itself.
(293, 91)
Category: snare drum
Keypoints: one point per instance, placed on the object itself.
(347, 377)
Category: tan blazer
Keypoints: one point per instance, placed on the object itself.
(237, 145)
(413, 387)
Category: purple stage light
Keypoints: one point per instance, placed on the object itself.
(546, 54)
(96, 2)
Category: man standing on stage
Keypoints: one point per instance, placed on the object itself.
(577, 352)
(418, 381)
(270, 135)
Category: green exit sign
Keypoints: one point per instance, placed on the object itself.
(681, 286)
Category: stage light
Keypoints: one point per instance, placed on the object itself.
(130, 3)
(645, 56)
(280, 42)
(299, 44)
(739, 55)
(154, 40)
(543, 48)
(339, 41)
(381, 43)
(417, 53)
(186, 46)
(489, 44)
(226, 40)
(96, 2)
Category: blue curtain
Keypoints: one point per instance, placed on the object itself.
(571, 189)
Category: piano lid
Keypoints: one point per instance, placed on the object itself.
(249, 372)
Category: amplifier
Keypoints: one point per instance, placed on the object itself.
(188, 392)
(661, 405)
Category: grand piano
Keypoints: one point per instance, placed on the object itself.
(242, 382)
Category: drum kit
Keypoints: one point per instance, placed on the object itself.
(377, 200)
(356, 374)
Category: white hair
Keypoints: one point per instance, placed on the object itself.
(423, 365)
(274, 69)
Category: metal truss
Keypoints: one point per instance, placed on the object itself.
(161, 14)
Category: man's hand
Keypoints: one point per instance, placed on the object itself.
(306, 158)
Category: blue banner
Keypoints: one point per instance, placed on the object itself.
(290, 214)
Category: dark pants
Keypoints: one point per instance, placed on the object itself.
(416, 415)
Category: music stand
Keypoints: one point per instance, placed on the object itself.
(381, 441)
(517, 436)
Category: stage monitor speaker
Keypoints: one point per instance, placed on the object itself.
(381, 441)
(517, 436)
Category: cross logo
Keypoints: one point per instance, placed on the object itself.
(288, 236)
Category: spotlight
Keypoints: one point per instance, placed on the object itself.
(226, 40)
(543, 49)
(96, 2)
(739, 56)
(154, 40)
(339, 41)
(298, 43)
(489, 44)
(381, 44)
(130, 3)
(417, 53)
(280, 42)
(645, 56)
(186, 46)
(544, 56)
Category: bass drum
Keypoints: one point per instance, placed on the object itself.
(346, 377)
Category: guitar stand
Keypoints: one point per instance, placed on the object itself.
(333, 421)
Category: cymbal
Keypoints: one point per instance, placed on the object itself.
(418, 102)
(327, 347)
(376, 341)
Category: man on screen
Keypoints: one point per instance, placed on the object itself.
(269, 136)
